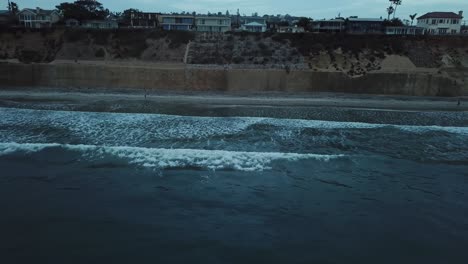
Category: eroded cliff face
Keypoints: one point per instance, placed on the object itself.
(237, 61)
(94, 45)
(352, 55)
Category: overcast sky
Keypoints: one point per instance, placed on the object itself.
(310, 8)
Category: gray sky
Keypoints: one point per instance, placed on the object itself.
(310, 8)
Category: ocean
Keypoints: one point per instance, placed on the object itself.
(94, 187)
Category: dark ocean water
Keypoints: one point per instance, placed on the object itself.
(81, 187)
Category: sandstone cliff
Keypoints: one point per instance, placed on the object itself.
(372, 64)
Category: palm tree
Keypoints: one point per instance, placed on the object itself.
(390, 11)
(396, 3)
(412, 17)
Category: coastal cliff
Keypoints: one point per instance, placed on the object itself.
(232, 80)
(237, 62)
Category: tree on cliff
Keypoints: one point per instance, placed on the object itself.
(395, 22)
(83, 10)
(390, 11)
(396, 3)
(13, 8)
(127, 16)
(304, 22)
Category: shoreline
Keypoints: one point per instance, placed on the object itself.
(267, 99)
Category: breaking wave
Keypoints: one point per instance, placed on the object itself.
(172, 158)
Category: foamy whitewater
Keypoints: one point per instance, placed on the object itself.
(239, 143)
(88, 187)
(171, 158)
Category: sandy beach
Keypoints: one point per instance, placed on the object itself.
(133, 101)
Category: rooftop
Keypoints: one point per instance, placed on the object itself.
(330, 20)
(440, 15)
(213, 17)
(177, 15)
(39, 11)
(365, 19)
(254, 24)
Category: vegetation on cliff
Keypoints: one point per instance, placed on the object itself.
(352, 55)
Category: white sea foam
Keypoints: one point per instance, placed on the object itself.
(173, 158)
(135, 126)
(8, 148)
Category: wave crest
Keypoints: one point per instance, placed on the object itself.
(173, 158)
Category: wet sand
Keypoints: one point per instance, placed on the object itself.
(115, 100)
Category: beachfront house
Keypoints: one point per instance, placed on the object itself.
(328, 25)
(355, 25)
(100, 24)
(403, 30)
(441, 23)
(253, 24)
(144, 20)
(176, 22)
(213, 24)
(38, 18)
(291, 29)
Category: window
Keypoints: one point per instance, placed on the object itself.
(455, 21)
(434, 21)
(454, 31)
(442, 31)
(441, 21)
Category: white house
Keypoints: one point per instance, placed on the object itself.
(403, 30)
(253, 27)
(291, 29)
(100, 24)
(253, 24)
(213, 23)
(176, 22)
(38, 18)
(441, 23)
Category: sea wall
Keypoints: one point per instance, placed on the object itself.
(69, 75)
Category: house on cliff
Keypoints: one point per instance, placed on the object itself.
(213, 24)
(176, 22)
(38, 18)
(291, 29)
(328, 25)
(144, 20)
(403, 30)
(100, 24)
(253, 24)
(355, 25)
(441, 23)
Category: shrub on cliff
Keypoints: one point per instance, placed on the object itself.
(100, 37)
(29, 56)
(75, 35)
(238, 60)
(130, 43)
(179, 38)
(100, 53)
